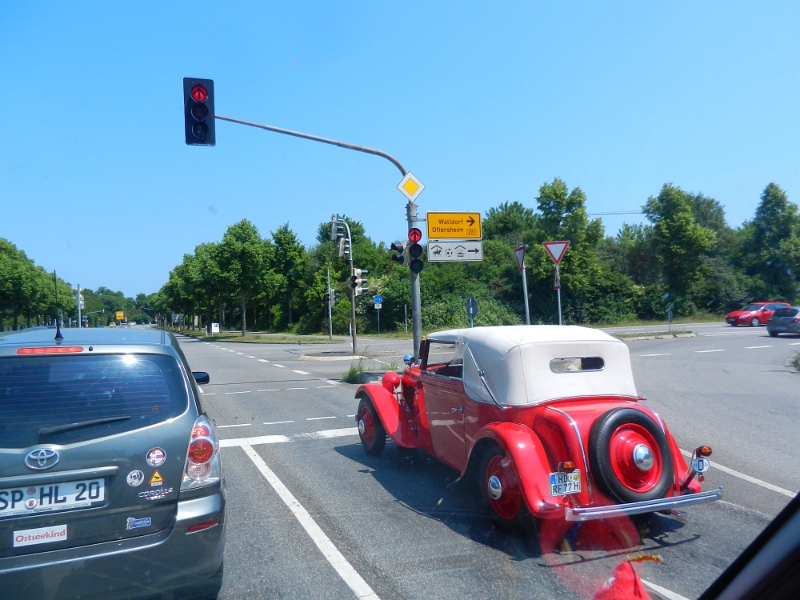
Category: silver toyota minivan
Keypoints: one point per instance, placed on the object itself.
(110, 480)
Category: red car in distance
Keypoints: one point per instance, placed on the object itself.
(758, 313)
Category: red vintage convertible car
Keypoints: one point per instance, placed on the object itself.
(546, 417)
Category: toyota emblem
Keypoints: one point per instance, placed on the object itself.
(41, 459)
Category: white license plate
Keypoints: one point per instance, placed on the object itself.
(562, 484)
(34, 499)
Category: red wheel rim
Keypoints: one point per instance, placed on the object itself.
(508, 505)
(369, 426)
(623, 442)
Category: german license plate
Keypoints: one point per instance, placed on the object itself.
(34, 499)
(562, 484)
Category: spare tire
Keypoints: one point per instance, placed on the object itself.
(630, 456)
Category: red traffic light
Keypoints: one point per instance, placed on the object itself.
(199, 93)
(414, 234)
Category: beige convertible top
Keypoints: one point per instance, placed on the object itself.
(529, 364)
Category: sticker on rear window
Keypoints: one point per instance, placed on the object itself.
(135, 478)
(132, 523)
(156, 457)
(42, 535)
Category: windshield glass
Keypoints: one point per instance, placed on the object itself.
(48, 392)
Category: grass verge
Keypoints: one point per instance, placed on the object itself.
(650, 334)
(796, 361)
(352, 374)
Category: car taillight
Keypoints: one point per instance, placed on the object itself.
(202, 456)
(796, 320)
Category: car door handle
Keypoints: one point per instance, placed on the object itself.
(458, 410)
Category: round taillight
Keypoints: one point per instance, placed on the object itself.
(201, 451)
(200, 431)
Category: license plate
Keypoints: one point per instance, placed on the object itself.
(34, 499)
(562, 484)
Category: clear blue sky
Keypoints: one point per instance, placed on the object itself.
(483, 101)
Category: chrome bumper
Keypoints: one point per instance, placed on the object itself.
(637, 508)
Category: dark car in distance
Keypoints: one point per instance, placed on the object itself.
(784, 320)
(110, 481)
(758, 313)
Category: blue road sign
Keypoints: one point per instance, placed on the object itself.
(377, 299)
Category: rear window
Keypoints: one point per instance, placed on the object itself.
(574, 364)
(40, 393)
(785, 312)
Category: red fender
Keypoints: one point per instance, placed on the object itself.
(530, 460)
(396, 418)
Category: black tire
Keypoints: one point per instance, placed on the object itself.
(772, 333)
(205, 590)
(600, 439)
(733, 324)
(518, 519)
(754, 322)
(373, 435)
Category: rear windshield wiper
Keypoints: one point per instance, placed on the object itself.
(45, 431)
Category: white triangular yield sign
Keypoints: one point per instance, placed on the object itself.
(520, 254)
(556, 249)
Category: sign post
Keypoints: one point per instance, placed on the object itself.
(520, 254)
(472, 310)
(378, 300)
(556, 251)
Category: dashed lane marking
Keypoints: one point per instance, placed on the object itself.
(318, 418)
(795, 344)
(279, 366)
(336, 559)
(755, 347)
(323, 386)
(277, 422)
(232, 393)
(264, 360)
(654, 355)
(704, 351)
(300, 388)
(301, 372)
(758, 482)
(269, 390)
(251, 357)
(240, 425)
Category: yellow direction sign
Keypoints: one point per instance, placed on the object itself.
(454, 226)
(120, 315)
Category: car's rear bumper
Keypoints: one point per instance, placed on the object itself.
(130, 568)
(637, 508)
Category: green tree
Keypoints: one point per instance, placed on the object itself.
(241, 257)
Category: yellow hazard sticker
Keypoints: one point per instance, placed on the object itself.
(156, 479)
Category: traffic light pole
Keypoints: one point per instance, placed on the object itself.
(330, 299)
(411, 213)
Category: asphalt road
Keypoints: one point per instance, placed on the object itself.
(311, 515)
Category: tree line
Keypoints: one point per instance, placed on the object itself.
(685, 257)
(31, 296)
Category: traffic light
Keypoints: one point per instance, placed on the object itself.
(198, 111)
(344, 247)
(327, 298)
(356, 281)
(401, 258)
(415, 251)
(334, 298)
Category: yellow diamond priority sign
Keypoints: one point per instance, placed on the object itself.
(410, 186)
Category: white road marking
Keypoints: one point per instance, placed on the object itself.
(231, 393)
(336, 559)
(759, 482)
(270, 390)
(702, 351)
(301, 372)
(754, 347)
(279, 366)
(305, 388)
(264, 360)
(323, 386)
(201, 389)
(654, 355)
(333, 382)
(240, 353)
(318, 418)
(251, 357)
(351, 415)
(252, 441)
(277, 422)
(795, 344)
(326, 434)
(211, 394)
(226, 426)
(669, 595)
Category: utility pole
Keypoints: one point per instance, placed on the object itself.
(330, 300)
(79, 298)
(416, 301)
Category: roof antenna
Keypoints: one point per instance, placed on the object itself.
(59, 337)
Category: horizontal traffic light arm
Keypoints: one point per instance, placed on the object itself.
(315, 138)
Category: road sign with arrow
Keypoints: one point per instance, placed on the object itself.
(462, 251)
(454, 225)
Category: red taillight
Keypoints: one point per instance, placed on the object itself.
(200, 451)
(201, 526)
(200, 431)
(51, 350)
(796, 320)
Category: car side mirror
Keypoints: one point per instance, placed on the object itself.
(201, 377)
